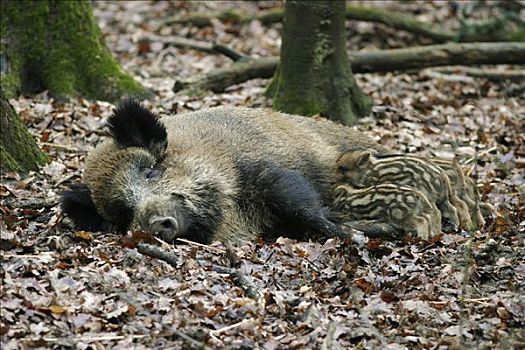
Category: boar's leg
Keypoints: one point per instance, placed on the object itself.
(375, 229)
(297, 205)
(78, 205)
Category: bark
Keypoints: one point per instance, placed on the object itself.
(370, 62)
(18, 149)
(57, 45)
(314, 74)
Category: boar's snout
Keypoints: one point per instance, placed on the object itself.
(167, 227)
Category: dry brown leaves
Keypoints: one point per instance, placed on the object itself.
(62, 288)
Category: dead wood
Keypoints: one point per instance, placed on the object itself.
(515, 75)
(185, 43)
(156, 252)
(242, 280)
(368, 62)
(219, 79)
(389, 18)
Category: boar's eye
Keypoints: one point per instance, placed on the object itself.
(151, 174)
(343, 168)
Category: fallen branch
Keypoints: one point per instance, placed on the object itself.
(205, 20)
(185, 43)
(387, 17)
(399, 21)
(216, 332)
(236, 73)
(30, 203)
(489, 74)
(188, 339)
(242, 280)
(367, 62)
(438, 55)
(156, 252)
(228, 52)
(204, 246)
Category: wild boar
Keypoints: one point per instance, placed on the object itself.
(402, 207)
(362, 169)
(225, 173)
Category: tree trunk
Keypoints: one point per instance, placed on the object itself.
(314, 74)
(57, 45)
(18, 149)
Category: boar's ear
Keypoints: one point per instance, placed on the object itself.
(132, 125)
(363, 159)
(78, 205)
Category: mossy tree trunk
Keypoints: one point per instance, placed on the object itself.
(18, 149)
(57, 45)
(314, 74)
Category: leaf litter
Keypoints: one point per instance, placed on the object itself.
(65, 288)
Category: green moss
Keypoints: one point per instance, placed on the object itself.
(19, 150)
(59, 47)
(10, 83)
(518, 35)
(7, 162)
(230, 15)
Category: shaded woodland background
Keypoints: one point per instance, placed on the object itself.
(62, 288)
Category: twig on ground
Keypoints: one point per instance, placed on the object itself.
(328, 342)
(516, 75)
(156, 252)
(242, 280)
(208, 247)
(30, 256)
(89, 339)
(62, 147)
(226, 51)
(194, 342)
(480, 154)
(65, 179)
(31, 203)
(185, 43)
(86, 339)
(216, 332)
(180, 42)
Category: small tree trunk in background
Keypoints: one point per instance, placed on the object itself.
(57, 45)
(314, 74)
(18, 149)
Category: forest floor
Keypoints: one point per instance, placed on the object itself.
(67, 289)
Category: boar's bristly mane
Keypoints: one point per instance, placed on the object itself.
(132, 125)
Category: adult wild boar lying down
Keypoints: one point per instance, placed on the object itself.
(226, 173)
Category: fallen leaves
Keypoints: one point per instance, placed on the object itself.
(62, 288)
